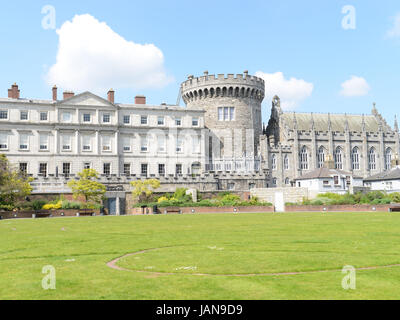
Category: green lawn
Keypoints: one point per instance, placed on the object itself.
(216, 245)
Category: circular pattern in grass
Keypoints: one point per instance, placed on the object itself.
(232, 260)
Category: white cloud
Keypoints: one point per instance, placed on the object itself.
(291, 92)
(91, 56)
(394, 32)
(355, 87)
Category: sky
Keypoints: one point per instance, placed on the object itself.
(318, 56)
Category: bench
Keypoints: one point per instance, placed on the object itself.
(39, 214)
(394, 208)
(172, 210)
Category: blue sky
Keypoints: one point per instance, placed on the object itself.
(303, 40)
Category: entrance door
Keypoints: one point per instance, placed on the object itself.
(112, 206)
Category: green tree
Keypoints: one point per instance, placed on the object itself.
(143, 189)
(93, 191)
(14, 185)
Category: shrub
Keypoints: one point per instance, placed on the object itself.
(6, 207)
(71, 205)
(162, 199)
(38, 204)
(51, 206)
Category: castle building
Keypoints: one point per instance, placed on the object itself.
(295, 144)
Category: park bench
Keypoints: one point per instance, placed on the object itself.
(172, 210)
(394, 208)
(85, 213)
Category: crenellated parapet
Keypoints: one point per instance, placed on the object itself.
(230, 85)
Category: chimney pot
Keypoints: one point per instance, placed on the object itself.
(140, 100)
(54, 93)
(111, 95)
(68, 94)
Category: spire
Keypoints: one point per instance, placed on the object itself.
(312, 122)
(396, 125)
(346, 124)
(374, 110)
(329, 122)
(363, 123)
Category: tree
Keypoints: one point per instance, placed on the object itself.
(143, 189)
(86, 186)
(14, 185)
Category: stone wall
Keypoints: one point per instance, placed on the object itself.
(290, 194)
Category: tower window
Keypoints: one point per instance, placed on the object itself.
(226, 114)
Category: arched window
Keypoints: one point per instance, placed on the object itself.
(274, 181)
(339, 158)
(286, 162)
(321, 157)
(355, 159)
(372, 159)
(388, 159)
(287, 181)
(273, 162)
(304, 158)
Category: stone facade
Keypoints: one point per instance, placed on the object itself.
(294, 144)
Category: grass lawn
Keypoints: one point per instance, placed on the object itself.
(216, 245)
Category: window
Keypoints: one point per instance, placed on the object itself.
(287, 181)
(372, 159)
(321, 157)
(339, 158)
(326, 183)
(143, 119)
(127, 169)
(286, 162)
(3, 141)
(87, 165)
(23, 167)
(388, 159)
(106, 143)
(127, 144)
(66, 117)
(273, 162)
(161, 169)
(226, 113)
(43, 116)
(304, 158)
(195, 122)
(179, 145)
(66, 169)
(44, 142)
(43, 169)
(178, 168)
(160, 121)
(336, 180)
(3, 114)
(107, 169)
(253, 185)
(23, 142)
(86, 143)
(231, 186)
(178, 122)
(66, 143)
(143, 144)
(355, 159)
(143, 169)
(127, 119)
(196, 144)
(106, 118)
(87, 117)
(23, 115)
(161, 143)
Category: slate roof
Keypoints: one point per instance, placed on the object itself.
(325, 173)
(338, 121)
(393, 174)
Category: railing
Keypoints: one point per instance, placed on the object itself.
(234, 165)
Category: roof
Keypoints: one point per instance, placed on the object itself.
(325, 173)
(393, 174)
(338, 121)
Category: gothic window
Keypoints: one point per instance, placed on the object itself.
(273, 162)
(321, 157)
(355, 159)
(372, 159)
(304, 158)
(286, 162)
(388, 159)
(339, 158)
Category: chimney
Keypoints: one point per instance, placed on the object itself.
(140, 100)
(13, 93)
(54, 93)
(68, 94)
(110, 95)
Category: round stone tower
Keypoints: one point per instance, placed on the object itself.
(231, 103)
